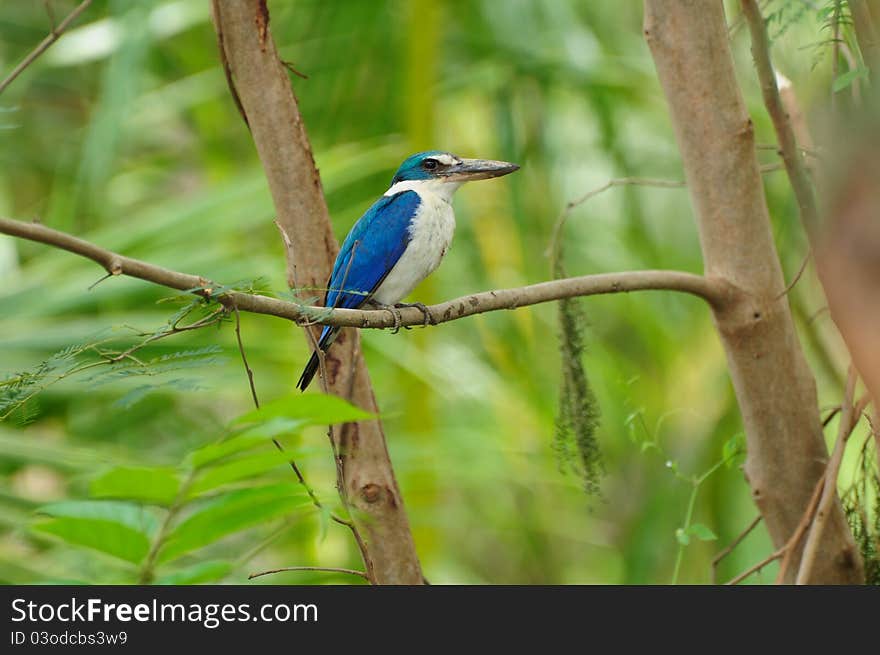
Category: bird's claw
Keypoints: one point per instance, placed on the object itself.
(397, 319)
(428, 318)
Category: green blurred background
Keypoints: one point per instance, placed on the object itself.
(124, 133)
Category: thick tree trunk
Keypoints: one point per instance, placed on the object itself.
(266, 99)
(774, 387)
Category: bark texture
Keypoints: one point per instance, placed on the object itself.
(774, 387)
(265, 97)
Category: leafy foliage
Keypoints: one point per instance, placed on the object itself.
(158, 516)
(861, 505)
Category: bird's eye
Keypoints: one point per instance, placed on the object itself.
(430, 164)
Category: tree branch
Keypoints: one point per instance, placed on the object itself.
(794, 164)
(261, 85)
(54, 34)
(774, 386)
(712, 291)
(849, 416)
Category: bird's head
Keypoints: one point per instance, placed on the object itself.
(444, 167)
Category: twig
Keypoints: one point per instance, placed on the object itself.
(247, 368)
(555, 237)
(712, 290)
(834, 412)
(147, 570)
(53, 36)
(757, 567)
(326, 569)
(848, 419)
(289, 66)
(792, 544)
(797, 276)
(736, 542)
(794, 165)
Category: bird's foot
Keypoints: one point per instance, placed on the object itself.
(429, 319)
(395, 313)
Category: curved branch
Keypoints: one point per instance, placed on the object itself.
(788, 146)
(713, 291)
(53, 36)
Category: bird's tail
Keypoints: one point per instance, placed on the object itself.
(328, 336)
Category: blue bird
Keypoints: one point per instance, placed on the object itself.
(401, 239)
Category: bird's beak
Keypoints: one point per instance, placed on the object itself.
(467, 170)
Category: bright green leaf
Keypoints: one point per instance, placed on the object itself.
(210, 571)
(130, 515)
(843, 81)
(150, 485)
(312, 409)
(701, 532)
(259, 435)
(230, 513)
(105, 536)
(238, 469)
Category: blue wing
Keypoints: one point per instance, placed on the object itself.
(371, 250)
(368, 254)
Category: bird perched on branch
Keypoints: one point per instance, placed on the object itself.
(401, 239)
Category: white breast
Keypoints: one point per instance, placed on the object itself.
(430, 233)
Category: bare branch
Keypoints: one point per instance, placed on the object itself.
(774, 386)
(712, 291)
(794, 165)
(53, 36)
(848, 418)
(326, 569)
(730, 548)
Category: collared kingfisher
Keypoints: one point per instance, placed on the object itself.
(401, 239)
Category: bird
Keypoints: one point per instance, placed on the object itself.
(400, 239)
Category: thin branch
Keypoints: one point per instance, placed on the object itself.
(794, 164)
(148, 569)
(757, 567)
(849, 417)
(326, 569)
(713, 291)
(556, 235)
(53, 36)
(247, 368)
(797, 276)
(730, 548)
(792, 544)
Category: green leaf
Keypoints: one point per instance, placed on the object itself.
(238, 469)
(231, 512)
(118, 529)
(130, 515)
(701, 532)
(312, 409)
(259, 435)
(843, 81)
(682, 537)
(732, 448)
(210, 571)
(150, 485)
